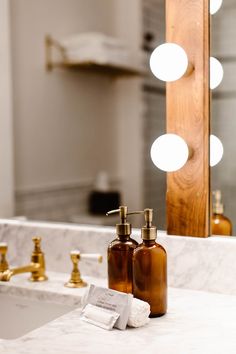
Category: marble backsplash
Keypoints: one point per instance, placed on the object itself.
(193, 263)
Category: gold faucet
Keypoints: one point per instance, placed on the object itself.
(75, 280)
(3, 261)
(36, 267)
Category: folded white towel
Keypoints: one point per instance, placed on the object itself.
(98, 48)
(99, 55)
(139, 313)
(91, 38)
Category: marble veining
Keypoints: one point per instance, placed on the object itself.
(196, 323)
(193, 263)
(52, 290)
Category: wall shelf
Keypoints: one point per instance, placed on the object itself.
(52, 45)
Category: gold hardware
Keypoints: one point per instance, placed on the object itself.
(51, 43)
(36, 267)
(123, 228)
(123, 210)
(37, 257)
(75, 280)
(3, 262)
(218, 207)
(148, 232)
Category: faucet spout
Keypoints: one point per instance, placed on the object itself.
(36, 267)
(33, 268)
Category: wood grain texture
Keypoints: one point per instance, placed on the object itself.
(188, 115)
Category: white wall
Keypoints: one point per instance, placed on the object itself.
(70, 125)
(6, 138)
(64, 121)
(129, 106)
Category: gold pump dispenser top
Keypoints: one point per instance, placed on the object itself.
(149, 231)
(123, 228)
(218, 207)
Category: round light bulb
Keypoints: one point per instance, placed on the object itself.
(169, 152)
(168, 62)
(216, 73)
(215, 6)
(216, 150)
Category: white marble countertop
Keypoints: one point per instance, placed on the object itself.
(196, 322)
(52, 290)
(206, 264)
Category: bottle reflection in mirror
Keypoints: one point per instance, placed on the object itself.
(220, 224)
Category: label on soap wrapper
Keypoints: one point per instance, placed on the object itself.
(111, 300)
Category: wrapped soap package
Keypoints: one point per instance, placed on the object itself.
(107, 299)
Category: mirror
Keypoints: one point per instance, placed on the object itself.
(69, 125)
(223, 105)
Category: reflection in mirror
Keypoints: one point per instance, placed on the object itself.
(70, 126)
(224, 105)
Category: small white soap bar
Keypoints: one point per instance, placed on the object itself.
(99, 316)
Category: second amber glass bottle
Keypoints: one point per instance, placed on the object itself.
(150, 269)
(220, 224)
(120, 254)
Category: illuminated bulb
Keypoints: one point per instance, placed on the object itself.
(216, 73)
(215, 6)
(216, 150)
(169, 152)
(168, 62)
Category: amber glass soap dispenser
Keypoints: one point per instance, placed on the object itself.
(150, 269)
(120, 254)
(220, 224)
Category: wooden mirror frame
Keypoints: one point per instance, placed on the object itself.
(188, 115)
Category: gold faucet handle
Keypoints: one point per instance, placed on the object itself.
(37, 257)
(37, 244)
(3, 248)
(3, 262)
(75, 257)
(75, 280)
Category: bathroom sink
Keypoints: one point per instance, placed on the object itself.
(20, 315)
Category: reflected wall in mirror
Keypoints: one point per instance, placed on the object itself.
(224, 105)
(69, 125)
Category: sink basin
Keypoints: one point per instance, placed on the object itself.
(20, 315)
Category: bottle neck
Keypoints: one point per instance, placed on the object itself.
(123, 238)
(149, 242)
